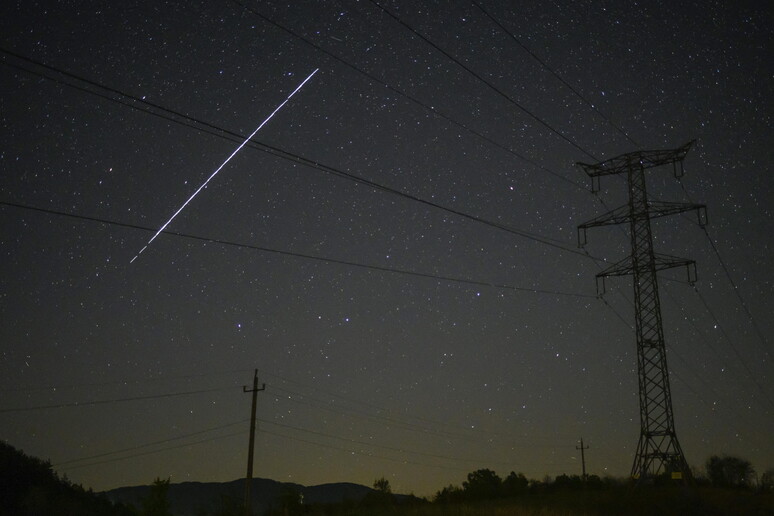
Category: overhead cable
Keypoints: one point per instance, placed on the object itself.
(301, 255)
(233, 136)
(406, 95)
(553, 72)
(491, 86)
(110, 401)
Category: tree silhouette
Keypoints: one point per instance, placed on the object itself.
(156, 503)
(482, 484)
(729, 471)
(382, 485)
(291, 501)
(382, 494)
(515, 484)
(449, 494)
(568, 481)
(767, 480)
(29, 487)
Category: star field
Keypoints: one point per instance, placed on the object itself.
(395, 251)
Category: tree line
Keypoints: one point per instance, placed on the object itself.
(29, 486)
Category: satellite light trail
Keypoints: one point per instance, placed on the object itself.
(276, 110)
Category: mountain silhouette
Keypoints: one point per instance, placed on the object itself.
(194, 498)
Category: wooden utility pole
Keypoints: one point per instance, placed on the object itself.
(583, 457)
(251, 448)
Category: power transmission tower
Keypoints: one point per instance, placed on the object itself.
(251, 448)
(658, 450)
(583, 458)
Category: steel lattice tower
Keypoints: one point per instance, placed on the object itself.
(658, 450)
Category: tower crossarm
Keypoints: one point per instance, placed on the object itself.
(616, 216)
(645, 158)
(620, 268)
(665, 261)
(661, 262)
(656, 209)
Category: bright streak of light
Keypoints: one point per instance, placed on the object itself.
(162, 228)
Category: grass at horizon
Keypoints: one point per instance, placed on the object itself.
(651, 501)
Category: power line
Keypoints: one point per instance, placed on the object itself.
(489, 84)
(745, 307)
(557, 76)
(715, 249)
(427, 426)
(279, 152)
(405, 95)
(362, 403)
(392, 459)
(152, 452)
(631, 140)
(230, 157)
(761, 338)
(733, 348)
(554, 73)
(267, 432)
(71, 464)
(234, 434)
(673, 352)
(706, 341)
(356, 452)
(382, 420)
(430, 276)
(672, 349)
(301, 255)
(146, 445)
(118, 382)
(220, 132)
(409, 452)
(725, 268)
(500, 92)
(373, 445)
(105, 402)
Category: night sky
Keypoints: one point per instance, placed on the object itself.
(396, 252)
